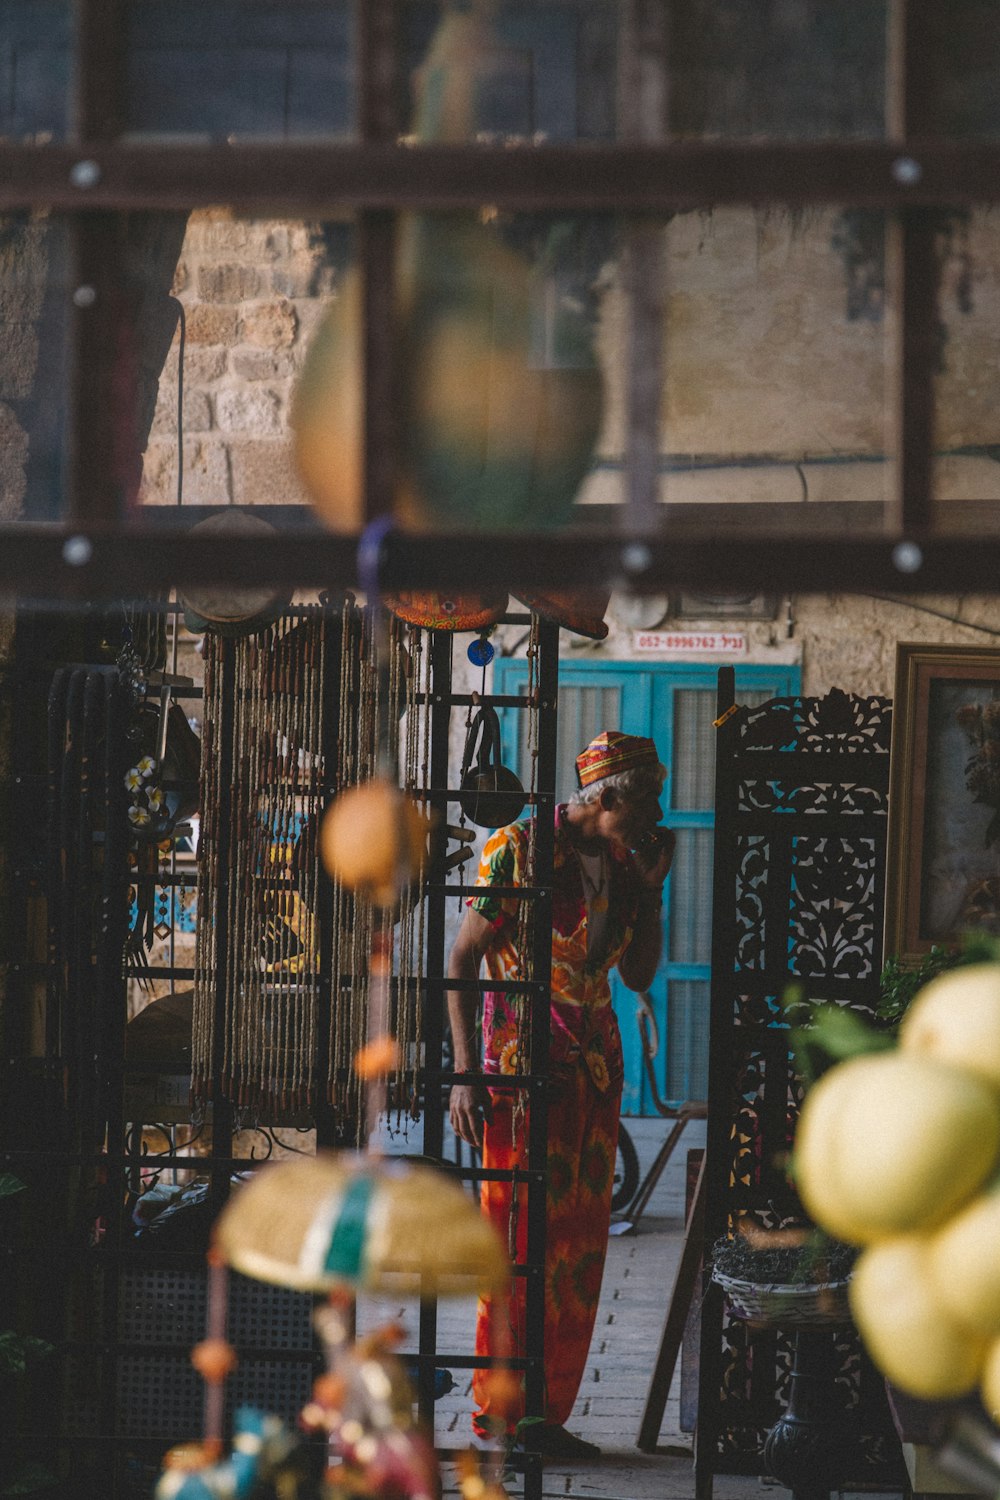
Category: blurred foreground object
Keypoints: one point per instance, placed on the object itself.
(500, 394)
(374, 840)
(339, 1219)
(900, 1152)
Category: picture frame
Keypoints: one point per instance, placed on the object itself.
(943, 850)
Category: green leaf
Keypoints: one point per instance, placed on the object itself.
(9, 1185)
(833, 1035)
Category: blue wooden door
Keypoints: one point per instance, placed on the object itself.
(674, 704)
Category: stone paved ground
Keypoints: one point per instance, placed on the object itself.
(639, 1275)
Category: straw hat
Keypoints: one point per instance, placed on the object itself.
(344, 1219)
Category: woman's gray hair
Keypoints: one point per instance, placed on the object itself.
(630, 785)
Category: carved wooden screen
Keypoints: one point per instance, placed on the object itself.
(801, 804)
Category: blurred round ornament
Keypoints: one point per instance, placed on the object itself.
(373, 839)
(340, 1219)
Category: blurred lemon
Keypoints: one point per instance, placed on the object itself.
(990, 1385)
(956, 1019)
(893, 1142)
(906, 1331)
(964, 1263)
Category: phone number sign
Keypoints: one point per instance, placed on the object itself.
(691, 642)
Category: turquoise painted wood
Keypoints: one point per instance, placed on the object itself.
(674, 704)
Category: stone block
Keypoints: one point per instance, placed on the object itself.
(299, 278)
(203, 363)
(206, 473)
(197, 412)
(264, 473)
(251, 363)
(251, 409)
(272, 325)
(228, 283)
(211, 325)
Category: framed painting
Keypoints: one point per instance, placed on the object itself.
(943, 859)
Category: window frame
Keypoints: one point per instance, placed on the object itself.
(378, 178)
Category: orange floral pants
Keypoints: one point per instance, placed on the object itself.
(583, 1139)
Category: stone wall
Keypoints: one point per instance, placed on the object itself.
(253, 292)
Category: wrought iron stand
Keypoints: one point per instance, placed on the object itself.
(813, 1447)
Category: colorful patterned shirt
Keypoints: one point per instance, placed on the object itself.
(582, 1017)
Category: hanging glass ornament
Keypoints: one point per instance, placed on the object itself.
(480, 652)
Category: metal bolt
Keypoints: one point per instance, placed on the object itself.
(85, 174)
(907, 557)
(636, 557)
(77, 551)
(906, 170)
(84, 296)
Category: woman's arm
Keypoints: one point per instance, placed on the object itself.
(640, 960)
(469, 1104)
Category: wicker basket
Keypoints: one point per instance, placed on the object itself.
(788, 1305)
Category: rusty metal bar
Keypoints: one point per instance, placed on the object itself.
(377, 123)
(912, 273)
(97, 416)
(98, 106)
(642, 178)
(96, 332)
(37, 566)
(643, 112)
(912, 276)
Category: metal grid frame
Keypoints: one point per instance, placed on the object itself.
(378, 177)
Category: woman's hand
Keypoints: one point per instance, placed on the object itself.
(469, 1105)
(661, 843)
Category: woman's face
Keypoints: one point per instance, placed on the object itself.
(627, 820)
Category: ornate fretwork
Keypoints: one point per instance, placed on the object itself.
(751, 890)
(832, 907)
(836, 798)
(839, 722)
(802, 795)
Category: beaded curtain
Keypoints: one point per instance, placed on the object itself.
(259, 947)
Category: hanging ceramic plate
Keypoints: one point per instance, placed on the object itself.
(439, 611)
(580, 610)
(230, 611)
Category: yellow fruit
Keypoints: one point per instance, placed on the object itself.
(990, 1384)
(891, 1142)
(906, 1331)
(818, 1123)
(964, 1265)
(373, 840)
(956, 1019)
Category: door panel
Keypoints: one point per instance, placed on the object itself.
(674, 704)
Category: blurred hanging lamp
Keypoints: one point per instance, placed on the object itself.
(493, 434)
